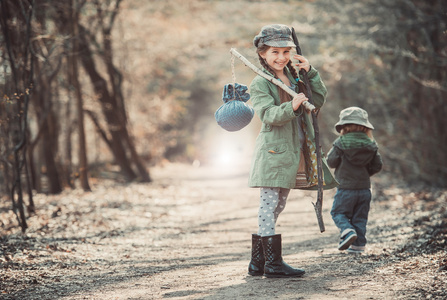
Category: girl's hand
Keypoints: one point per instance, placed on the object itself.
(303, 62)
(298, 100)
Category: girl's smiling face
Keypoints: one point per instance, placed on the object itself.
(277, 58)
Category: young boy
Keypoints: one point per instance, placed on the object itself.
(356, 158)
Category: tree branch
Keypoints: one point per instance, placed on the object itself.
(101, 131)
(428, 83)
(273, 80)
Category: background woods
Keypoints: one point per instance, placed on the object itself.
(54, 56)
(94, 88)
(95, 93)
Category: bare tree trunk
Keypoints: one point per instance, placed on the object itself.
(115, 78)
(31, 208)
(68, 169)
(49, 145)
(48, 130)
(15, 35)
(83, 163)
(109, 108)
(18, 190)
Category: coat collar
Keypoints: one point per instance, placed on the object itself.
(289, 75)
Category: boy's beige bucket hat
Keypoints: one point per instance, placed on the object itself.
(353, 115)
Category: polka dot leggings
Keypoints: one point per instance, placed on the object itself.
(272, 203)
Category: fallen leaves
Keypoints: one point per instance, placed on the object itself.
(97, 235)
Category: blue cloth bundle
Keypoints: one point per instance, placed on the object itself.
(234, 114)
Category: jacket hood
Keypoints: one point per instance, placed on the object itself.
(357, 147)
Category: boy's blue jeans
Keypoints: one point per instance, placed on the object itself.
(350, 210)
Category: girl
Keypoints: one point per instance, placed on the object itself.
(355, 157)
(285, 134)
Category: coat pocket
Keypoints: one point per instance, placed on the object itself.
(278, 154)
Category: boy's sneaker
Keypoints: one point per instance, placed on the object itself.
(356, 249)
(347, 237)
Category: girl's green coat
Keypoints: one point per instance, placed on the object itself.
(277, 149)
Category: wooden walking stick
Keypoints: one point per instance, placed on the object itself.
(272, 79)
(318, 206)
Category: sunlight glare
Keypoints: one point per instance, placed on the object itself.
(224, 158)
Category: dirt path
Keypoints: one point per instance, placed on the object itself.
(187, 236)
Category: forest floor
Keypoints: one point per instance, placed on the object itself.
(187, 235)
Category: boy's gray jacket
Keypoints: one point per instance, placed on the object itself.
(277, 150)
(355, 158)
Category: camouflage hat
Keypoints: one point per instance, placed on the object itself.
(353, 115)
(276, 35)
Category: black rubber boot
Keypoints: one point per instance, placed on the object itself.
(256, 266)
(274, 264)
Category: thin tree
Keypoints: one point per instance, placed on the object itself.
(21, 64)
(112, 102)
(74, 79)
